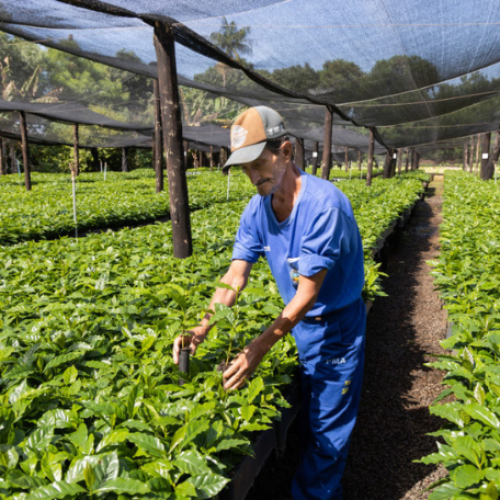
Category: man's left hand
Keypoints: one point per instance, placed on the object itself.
(242, 367)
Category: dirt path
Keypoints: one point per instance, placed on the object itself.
(394, 417)
(398, 389)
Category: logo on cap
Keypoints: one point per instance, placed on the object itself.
(238, 136)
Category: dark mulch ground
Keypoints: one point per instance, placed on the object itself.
(394, 417)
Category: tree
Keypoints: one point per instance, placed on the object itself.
(340, 79)
(232, 41)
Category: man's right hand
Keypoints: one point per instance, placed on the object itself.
(191, 338)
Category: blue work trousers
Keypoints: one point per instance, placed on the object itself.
(331, 354)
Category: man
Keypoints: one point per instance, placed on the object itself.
(306, 229)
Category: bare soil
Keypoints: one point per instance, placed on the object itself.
(402, 330)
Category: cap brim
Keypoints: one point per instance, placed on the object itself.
(244, 155)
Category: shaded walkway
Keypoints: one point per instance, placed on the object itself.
(394, 417)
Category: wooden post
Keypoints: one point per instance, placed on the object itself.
(471, 153)
(124, 160)
(417, 162)
(485, 156)
(211, 158)
(407, 159)
(200, 158)
(466, 153)
(400, 160)
(158, 149)
(172, 139)
(327, 145)
(477, 155)
(346, 159)
(386, 174)
(299, 153)
(26, 164)
(371, 149)
(76, 151)
(13, 158)
(185, 147)
(315, 158)
(360, 157)
(2, 151)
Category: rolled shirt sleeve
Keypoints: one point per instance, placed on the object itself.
(248, 245)
(327, 238)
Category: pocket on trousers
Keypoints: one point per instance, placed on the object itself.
(332, 382)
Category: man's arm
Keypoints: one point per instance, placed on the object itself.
(244, 365)
(237, 278)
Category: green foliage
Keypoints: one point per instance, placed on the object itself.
(90, 404)
(467, 277)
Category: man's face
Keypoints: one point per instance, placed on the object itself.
(266, 172)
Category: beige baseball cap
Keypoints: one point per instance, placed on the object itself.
(250, 132)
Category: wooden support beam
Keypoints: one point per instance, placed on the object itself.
(211, 158)
(158, 149)
(346, 159)
(26, 162)
(487, 168)
(124, 159)
(400, 160)
(477, 154)
(327, 144)
(299, 153)
(371, 149)
(407, 159)
(360, 158)
(466, 153)
(315, 158)
(2, 154)
(172, 139)
(13, 158)
(386, 174)
(76, 151)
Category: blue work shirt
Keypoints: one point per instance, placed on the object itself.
(320, 233)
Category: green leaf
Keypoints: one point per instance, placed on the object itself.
(468, 448)
(63, 359)
(228, 444)
(134, 398)
(466, 476)
(114, 437)
(177, 438)
(70, 375)
(58, 489)
(482, 414)
(444, 492)
(150, 444)
(208, 485)
(124, 485)
(89, 476)
(191, 462)
(107, 468)
(479, 394)
(254, 389)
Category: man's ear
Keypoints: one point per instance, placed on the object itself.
(287, 149)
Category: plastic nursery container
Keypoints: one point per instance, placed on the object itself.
(184, 362)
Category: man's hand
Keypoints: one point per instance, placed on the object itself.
(191, 339)
(243, 366)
